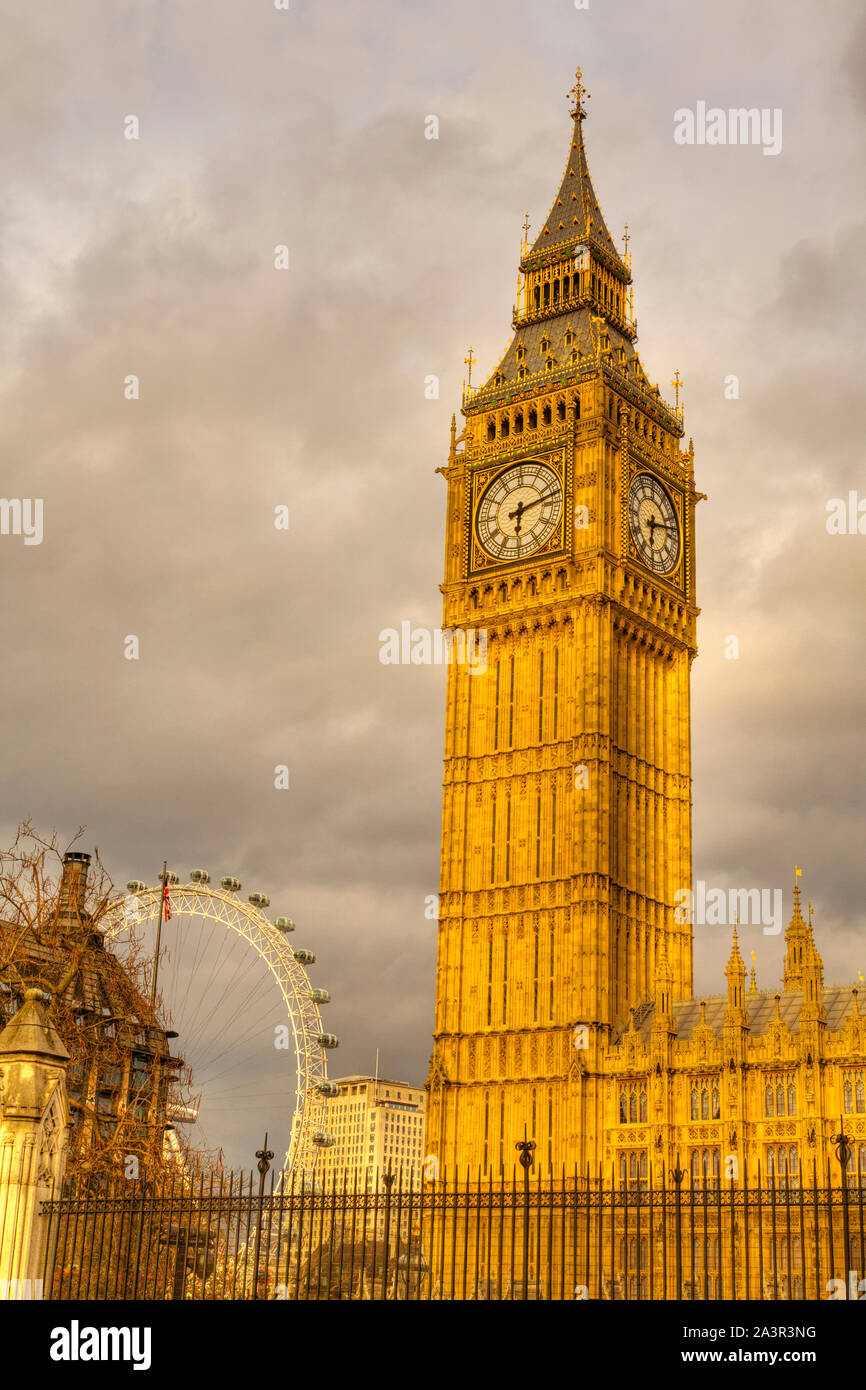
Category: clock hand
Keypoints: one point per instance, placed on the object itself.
(525, 506)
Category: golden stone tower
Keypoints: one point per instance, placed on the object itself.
(566, 828)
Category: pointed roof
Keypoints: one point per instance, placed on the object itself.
(30, 1031)
(735, 960)
(576, 214)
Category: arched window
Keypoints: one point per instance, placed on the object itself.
(504, 427)
(577, 407)
(622, 1167)
(792, 1099)
(546, 293)
(623, 1109)
(696, 1102)
(768, 1101)
(696, 1163)
(716, 1110)
(537, 296)
(780, 1100)
(533, 418)
(705, 1103)
(491, 431)
(643, 1106)
(546, 415)
(861, 1097)
(632, 1166)
(518, 422)
(643, 1165)
(632, 1108)
(849, 1098)
(560, 410)
(783, 1162)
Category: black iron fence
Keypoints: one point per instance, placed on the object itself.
(529, 1237)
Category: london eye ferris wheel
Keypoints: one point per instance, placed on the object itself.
(237, 994)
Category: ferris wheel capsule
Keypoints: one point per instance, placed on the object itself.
(331, 1089)
(323, 1140)
(170, 878)
(284, 924)
(135, 885)
(320, 996)
(230, 884)
(199, 876)
(304, 957)
(259, 900)
(327, 1040)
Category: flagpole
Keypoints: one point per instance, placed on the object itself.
(163, 877)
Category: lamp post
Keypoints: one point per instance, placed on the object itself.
(842, 1144)
(678, 1174)
(264, 1156)
(526, 1149)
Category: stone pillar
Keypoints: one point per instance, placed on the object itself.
(34, 1120)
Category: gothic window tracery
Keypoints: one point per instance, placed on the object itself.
(780, 1096)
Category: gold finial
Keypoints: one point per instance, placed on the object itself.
(625, 240)
(598, 319)
(470, 362)
(676, 383)
(579, 92)
(526, 226)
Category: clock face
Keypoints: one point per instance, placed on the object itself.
(519, 510)
(654, 526)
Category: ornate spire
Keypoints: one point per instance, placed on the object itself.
(797, 941)
(576, 214)
(735, 973)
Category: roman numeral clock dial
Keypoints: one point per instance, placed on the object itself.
(519, 511)
(653, 524)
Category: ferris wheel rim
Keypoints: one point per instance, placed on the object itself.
(246, 919)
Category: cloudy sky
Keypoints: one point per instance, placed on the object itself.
(305, 388)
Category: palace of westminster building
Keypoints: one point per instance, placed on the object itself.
(564, 1000)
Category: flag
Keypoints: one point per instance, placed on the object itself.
(166, 901)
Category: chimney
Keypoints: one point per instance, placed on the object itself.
(73, 884)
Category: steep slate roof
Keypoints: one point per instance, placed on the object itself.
(573, 203)
(760, 1008)
(554, 329)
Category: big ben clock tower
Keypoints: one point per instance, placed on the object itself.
(566, 825)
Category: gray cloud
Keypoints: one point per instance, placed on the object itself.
(260, 387)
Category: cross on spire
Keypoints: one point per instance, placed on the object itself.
(470, 362)
(526, 225)
(626, 239)
(676, 383)
(578, 92)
